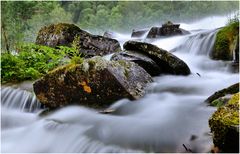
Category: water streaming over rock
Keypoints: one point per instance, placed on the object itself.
(19, 99)
(200, 43)
(173, 112)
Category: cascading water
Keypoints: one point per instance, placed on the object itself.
(19, 99)
(200, 43)
(173, 112)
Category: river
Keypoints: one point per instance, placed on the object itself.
(170, 116)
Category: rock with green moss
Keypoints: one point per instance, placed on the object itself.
(145, 62)
(61, 34)
(224, 125)
(226, 45)
(223, 92)
(64, 34)
(221, 101)
(95, 83)
(168, 63)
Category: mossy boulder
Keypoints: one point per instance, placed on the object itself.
(145, 62)
(169, 63)
(95, 83)
(61, 34)
(226, 45)
(224, 125)
(64, 34)
(223, 92)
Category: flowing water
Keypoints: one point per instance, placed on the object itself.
(172, 113)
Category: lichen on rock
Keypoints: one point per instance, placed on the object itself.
(95, 82)
(224, 125)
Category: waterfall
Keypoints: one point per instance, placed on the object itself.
(19, 99)
(198, 44)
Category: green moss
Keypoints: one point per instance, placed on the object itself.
(59, 28)
(217, 102)
(234, 100)
(221, 93)
(224, 125)
(224, 43)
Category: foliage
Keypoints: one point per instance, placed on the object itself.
(21, 20)
(32, 61)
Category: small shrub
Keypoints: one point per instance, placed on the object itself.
(32, 61)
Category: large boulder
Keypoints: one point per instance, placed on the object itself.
(224, 125)
(168, 63)
(145, 62)
(61, 34)
(64, 34)
(221, 93)
(95, 83)
(226, 45)
(167, 29)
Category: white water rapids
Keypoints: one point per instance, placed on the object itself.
(173, 112)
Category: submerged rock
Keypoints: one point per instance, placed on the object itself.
(139, 33)
(224, 125)
(145, 62)
(221, 93)
(64, 34)
(168, 63)
(95, 83)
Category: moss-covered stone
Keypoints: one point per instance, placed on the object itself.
(88, 45)
(220, 101)
(224, 125)
(95, 83)
(168, 63)
(226, 42)
(57, 34)
(221, 93)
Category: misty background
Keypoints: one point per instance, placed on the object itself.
(21, 20)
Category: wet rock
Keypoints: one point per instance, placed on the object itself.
(226, 45)
(221, 93)
(145, 62)
(224, 125)
(167, 29)
(221, 101)
(94, 45)
(95, 83)
(64, 34)
(139, 33)
(168, 63)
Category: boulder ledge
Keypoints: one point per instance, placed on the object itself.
(95, 83)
